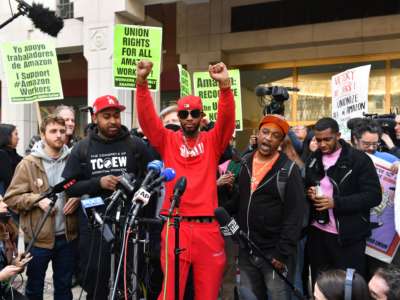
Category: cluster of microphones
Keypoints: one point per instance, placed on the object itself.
(126, 188)
(128, 191)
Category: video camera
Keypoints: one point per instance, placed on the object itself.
(387, 123)
(279, 94)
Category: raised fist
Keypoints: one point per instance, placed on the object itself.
(219, 73)
(143, 69)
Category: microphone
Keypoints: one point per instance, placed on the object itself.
(43, 18)
(167, 174)
(58, 188)
(153, 169)
(125, 184)
(179, 189)
(228, 225)
(91, 204)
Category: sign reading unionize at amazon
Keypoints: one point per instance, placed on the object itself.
(132, 44)
(207, 89)
(350, 96)
(31, 70)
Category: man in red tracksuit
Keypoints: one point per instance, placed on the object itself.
(194, 154)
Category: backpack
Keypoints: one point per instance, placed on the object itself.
(281, 181)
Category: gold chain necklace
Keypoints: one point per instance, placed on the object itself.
(186, 143)
(255, 173)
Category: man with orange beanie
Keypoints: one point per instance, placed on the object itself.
(271, 218)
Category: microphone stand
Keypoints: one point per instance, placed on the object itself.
(177, 250)
(252, 246)
(53, 197)
(22, 10)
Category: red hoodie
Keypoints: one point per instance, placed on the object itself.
(199, 163)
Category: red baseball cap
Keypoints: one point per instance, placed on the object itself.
(277, 120)
(190, 103)
(105, 102)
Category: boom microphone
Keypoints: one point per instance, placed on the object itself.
(229, 227)
(43, 18)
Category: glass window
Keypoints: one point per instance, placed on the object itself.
(253, 106)
(395, 87)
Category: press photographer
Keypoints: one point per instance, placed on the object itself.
(9, 264)
(390, 124)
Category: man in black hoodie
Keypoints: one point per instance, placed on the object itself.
(98, 161)
(270, 219)
(343, 186)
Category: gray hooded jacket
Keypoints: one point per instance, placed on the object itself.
(54, 169)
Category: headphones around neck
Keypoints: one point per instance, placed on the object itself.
(348, 284)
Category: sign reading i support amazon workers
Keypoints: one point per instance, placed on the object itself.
(350, 96)
(132, 44)
(207, 89)
(31, 70)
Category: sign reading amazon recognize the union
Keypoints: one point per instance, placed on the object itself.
(132, 44)
(31, 71)
(207, 89)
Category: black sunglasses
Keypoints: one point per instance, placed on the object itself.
(195, 113)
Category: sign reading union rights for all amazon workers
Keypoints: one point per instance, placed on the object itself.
(31, 70)
(207, 89)
(132, 44)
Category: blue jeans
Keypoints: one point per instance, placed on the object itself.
(62, 257)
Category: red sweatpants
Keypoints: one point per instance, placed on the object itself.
(204, 250)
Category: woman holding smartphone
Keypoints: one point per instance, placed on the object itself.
(11, 264)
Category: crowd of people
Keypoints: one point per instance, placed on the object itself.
(302, 195)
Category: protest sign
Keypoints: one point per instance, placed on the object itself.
(185, 81)
(31, 71)
(132, 44)
(384, 241)
(349, 96)
(207, 89)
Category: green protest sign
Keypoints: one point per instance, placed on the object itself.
(207, 89)
(132, 44)
(185, 81)
(31, 71)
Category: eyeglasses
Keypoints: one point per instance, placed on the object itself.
(326, 140)
(370, 144)
(184, 114)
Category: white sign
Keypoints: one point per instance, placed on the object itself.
(350, 96)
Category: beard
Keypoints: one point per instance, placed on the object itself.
(105, 131)
(56, 145)
(190, 131)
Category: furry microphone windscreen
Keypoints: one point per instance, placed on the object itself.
(45, 19)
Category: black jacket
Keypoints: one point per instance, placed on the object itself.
(356, 189)
(9, 159)
(270, 222)
(94, 157)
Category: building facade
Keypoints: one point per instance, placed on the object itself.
(289, 43)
